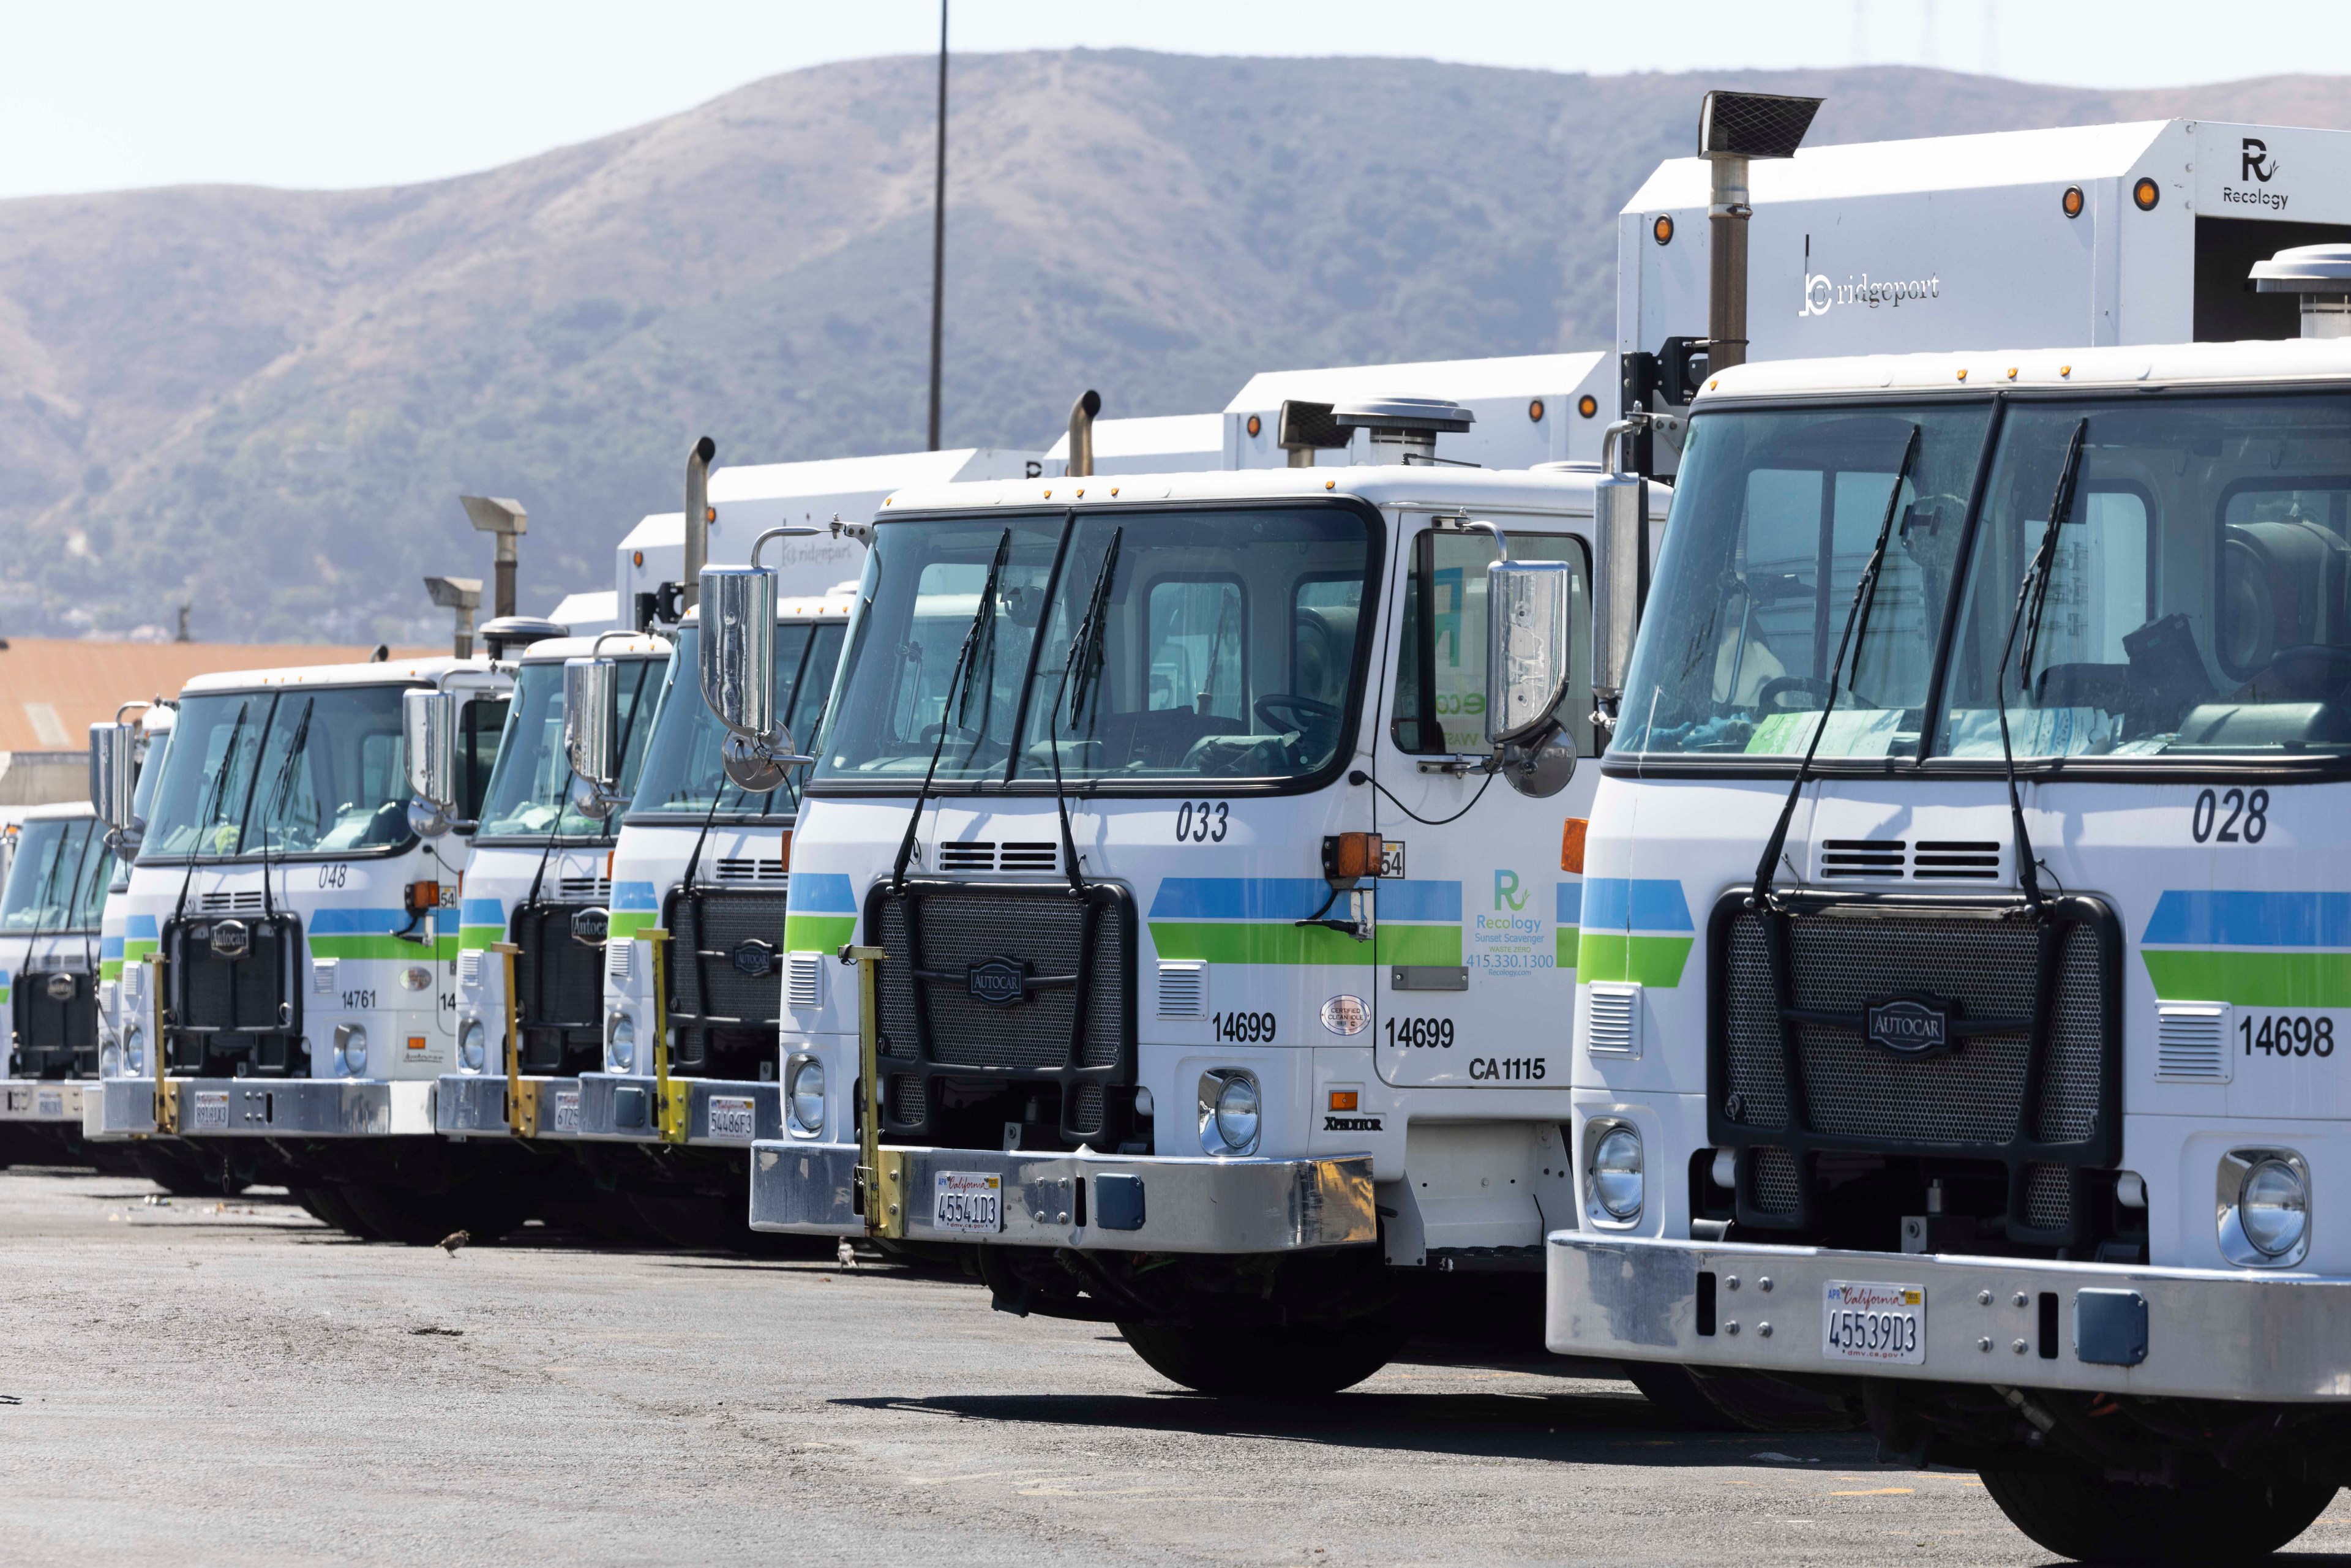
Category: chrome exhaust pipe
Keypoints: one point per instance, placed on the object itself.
(1082, 433)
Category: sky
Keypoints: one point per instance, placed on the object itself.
(336, 94)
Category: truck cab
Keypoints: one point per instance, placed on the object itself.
(49, 913)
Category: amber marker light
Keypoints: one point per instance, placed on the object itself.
(1344, 1099)
(1256, 425)
(1571, 845)
(1662, 228)
(1535, 411)
(1587, 406)
(2072, 200)
(2147, 193)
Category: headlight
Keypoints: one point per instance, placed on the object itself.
(1229, 1118)
(473, 1046)
(806, 1093)
(134, 1050)
(351, 1051)
(110, 1061)
(621, 1045)
(1615, 1173)
(2273, 1205)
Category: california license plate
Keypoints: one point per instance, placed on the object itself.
(566, 1110)
(734, 1118)
(212, 1111)
(1865, 1321)
(966, 1203)
(49, 1104)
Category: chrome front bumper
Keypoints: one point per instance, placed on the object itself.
(474, 1105)
(1151, 1204)
(42, 1100)
(2199, 1334)
(626, 1108)
(269, 1108)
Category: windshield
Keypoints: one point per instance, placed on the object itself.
(683, 776)
(58, 881)
(1175, 645)
(288, 772)
(530, 789)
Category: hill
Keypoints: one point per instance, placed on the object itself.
(267, 401)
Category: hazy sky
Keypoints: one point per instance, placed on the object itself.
(108, 94)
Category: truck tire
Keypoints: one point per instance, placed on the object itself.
(183, 1174)
(1759, 1402)
(1287, 1363)
(1675, 1392)
(2093, 1519)
(424, 1219)
(326, 1205)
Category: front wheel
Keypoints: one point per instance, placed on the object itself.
(2094, 1520)
(1288, 1362)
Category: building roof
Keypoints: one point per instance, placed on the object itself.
(53, 689)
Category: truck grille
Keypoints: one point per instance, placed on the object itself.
(230, 1008)
(558, 990)
(56, 1037)
(1023, 991)
(726, 980)
(1847, 954)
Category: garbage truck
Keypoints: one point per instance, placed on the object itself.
(298, 877)
(49, 911)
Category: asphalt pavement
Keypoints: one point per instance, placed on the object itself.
(229, 1382)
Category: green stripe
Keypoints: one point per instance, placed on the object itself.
(390, 947)
(1565, 947)
(1263, 942)
(815, 933)
(109, 968)
(1400, 944)
(471, 937)
(624, 927)
(1650, 960)
(132, 952)
(2251, 978)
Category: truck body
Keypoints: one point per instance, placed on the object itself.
(49, 913)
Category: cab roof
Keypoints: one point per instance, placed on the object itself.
(834, 604)
(615, 645)
(391, 672)
(56, 808)
(2140, 368)
(1546, 488)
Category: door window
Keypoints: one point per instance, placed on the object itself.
(1440, 704)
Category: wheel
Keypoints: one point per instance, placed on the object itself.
(183, 1172)
(421, 1219)
(1291, 1362)
(2091, 1519)
(328, 1206)
(1673, 1390)
(1759, 1402)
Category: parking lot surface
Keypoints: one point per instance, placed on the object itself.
(230, 1382)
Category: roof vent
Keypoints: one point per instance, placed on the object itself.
(1402, 429)
(2321, 274)
(507, 633)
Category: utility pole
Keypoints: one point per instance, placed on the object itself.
(939, 231)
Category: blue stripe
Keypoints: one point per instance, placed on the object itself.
(109, 946)
(1618, 903)
(1571, 903)
(357, 922)
(483, 912)
(1239, 897)
(633, 895)
(1438, 902)
(141, 926)
(820, 893)
(2251, 920)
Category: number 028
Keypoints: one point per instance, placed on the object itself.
(2230, 817)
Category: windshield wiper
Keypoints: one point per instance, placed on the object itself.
(982, 630)
(277, 789)
(1085, 663)
(1865, 593)
(2031, 594)
(211, 809)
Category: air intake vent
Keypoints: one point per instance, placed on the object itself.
(804, 980)
(616, 959)
(1183, 989)
(751, 873)
(1616, 1019)
(1845, 859)
(214, 902)
(2191, 1042)
(1029, 857)
(968, 856)
(584, 889)
(1960, 859)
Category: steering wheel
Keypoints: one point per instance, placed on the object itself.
(1298, 707)
(1768, 695)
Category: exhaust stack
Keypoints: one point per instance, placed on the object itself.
(2321, 274)
(697, 521)
(1082, 433)
(504, 519)
(1733, 129)
(463, 595)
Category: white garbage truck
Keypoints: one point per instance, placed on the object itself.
(49, 911)
(1174, 919)
(300, 998)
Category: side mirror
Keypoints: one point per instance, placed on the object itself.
(1527, 628)
(738, 669)
(1619, 524)
(113, 773)
(429, 720)
(591, 733)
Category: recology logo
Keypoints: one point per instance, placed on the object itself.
(1508, 894)
(2256, 166)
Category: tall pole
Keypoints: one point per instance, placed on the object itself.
(939, 231)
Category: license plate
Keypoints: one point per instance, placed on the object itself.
(1865, 1321)
(49, 1103)
(212, 1111)
(966, 1203)
(566, 1110)
(734, 1118)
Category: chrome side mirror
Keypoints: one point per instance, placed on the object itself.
(429, 721)
(591, 734)
(738, 669)
(1619, 522)
(113, 773)
(1527, 617)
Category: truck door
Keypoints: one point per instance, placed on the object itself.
(1475, 960)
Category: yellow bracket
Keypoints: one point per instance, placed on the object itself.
(522, 1099)
(167, 1105)
(881, 1174)
(671, 1099)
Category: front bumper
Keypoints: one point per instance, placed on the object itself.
(1206, 1206)
(269, 1108)
(2205, 1333)
(711, 1111)
(474, 1105)
(42, 1100)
